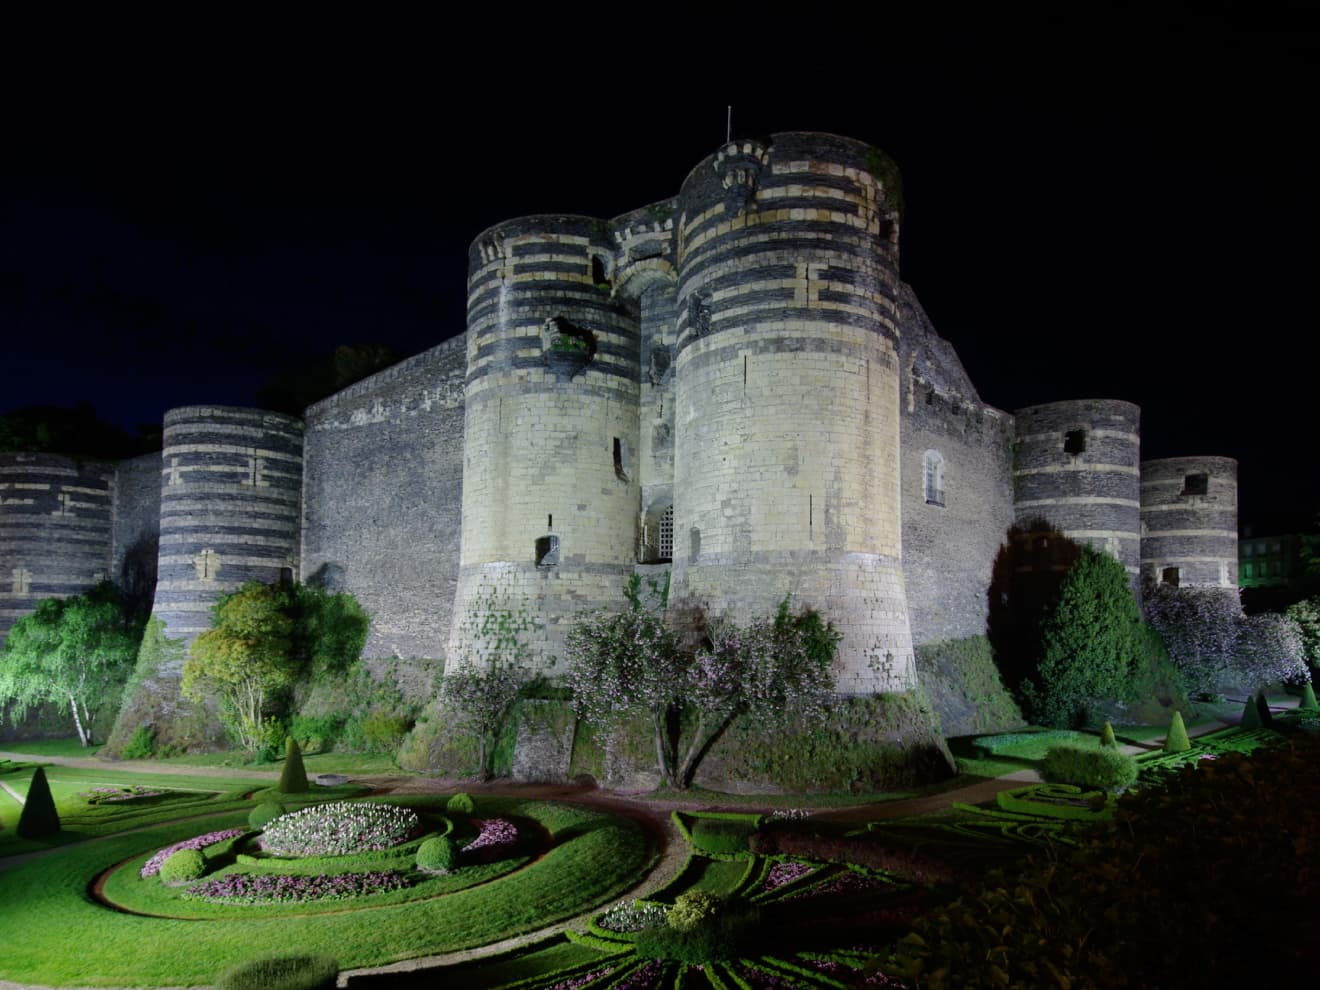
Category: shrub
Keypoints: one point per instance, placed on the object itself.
(1250, 715)
(153, 865)
(281, 973)
(141, 744)
(437, 854)
(1263, 710)
(1176, 741)
(694, 908)
(1105, 769)
(1107, 736)
(39, 818)
(183, 866)
(461, 804)
(1308, 696)
(293, 778)
(265, 813)
(316, 733)
(721, 837)
(384, 732)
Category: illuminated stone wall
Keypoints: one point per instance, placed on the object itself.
(1189, 522)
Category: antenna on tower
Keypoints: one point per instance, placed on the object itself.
(728, 127)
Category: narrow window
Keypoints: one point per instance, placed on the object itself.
(286, 576)
(622, 460)
(1074, 442)
(1170, 576)
(547, 551)
(599, 276)
(666, 544)
(1196, 484)
(934, 478)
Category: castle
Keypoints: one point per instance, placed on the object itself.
(733, 385)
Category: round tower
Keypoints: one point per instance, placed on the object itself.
(55, 530)
(1077, 469)
(231, 484)
(1189, 526)
(786, 477)
(550, 490)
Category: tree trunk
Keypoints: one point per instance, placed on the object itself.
(662, 758)
(77, 721)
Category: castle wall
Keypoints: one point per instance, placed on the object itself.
(230, 490)
(550, 482)
(1077, 467)
(1189, 522)
(957, 493)
(382, 498)
(55, 529)
(786, 476)
(136, 526)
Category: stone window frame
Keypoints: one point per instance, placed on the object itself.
(932, 478)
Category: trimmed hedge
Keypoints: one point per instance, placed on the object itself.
(722, 838)
(265, 813)
(461, 804)
(438, 854)
(1105, 769)
(293, 778)
(281, 973)
(38, 818)
(1176, 741)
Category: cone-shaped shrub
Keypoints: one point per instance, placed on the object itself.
(1250, 715)
(293, 778)
(1308, 696)
(461, 804)
(1107, 737)
(1263, 708)
(1176, 741)
(437, 854)
(39, 818)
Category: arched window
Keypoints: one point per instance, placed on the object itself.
(934, 478)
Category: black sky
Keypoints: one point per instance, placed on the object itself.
(1115, 221)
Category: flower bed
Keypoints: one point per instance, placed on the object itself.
(106, 793)
(272, 888)
(200, 842)
(496, 835)
(785, 873)
(340, 829)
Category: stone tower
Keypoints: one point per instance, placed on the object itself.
(1189, 522)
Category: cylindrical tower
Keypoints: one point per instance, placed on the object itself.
(231, 485)
(550, 490)
(1077, 468)
(1189, 526)
(55, 530)
(786, 477)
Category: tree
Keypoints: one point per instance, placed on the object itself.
(1199, 627)
(622, 664)
(39, 817)
(1090, 640)
(245, 658)
(1306, 616)
(71, 651)
(1269, 650)
(486, 684)
(293, 778)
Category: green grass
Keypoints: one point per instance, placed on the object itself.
(350, 764)
(595, 858)
(50, 747)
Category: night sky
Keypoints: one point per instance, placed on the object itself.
(1103, 223)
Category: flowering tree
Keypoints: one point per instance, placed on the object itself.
(1213, 643)
(71, 651)
(631, 662)
(486, 684)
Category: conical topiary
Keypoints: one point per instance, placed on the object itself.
(1250, 715)
(1263, 707)
(1107, 736)
(1308, 696)
(1176, 741)
(39, 817)
(293, 778)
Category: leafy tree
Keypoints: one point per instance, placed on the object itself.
(480, 695)
(71, 651)
(1090, 640)
(633, 662)
(76, 430)
(245, 658)
(1269, 650)
(263, 638)
(1306, 616)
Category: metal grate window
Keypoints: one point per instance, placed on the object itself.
(666, 547)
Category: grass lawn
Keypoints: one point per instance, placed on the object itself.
(50, 747)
